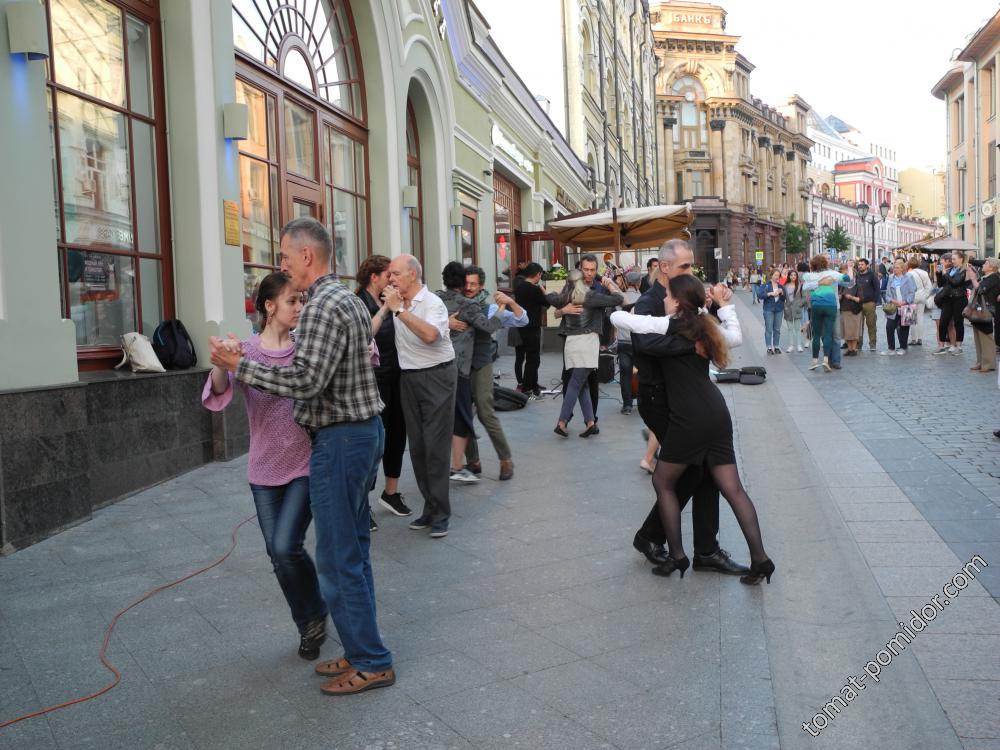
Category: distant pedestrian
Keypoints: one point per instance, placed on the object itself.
(899, 295)
(530, 295)
(850, 317)
(631, 295)
(652, 269)
(870, 293)
(956, 282)
(278, 467)
(794, 302)
(772, 294)
(755, 283)
(986, 293)
(924, 286)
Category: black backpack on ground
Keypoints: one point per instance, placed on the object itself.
(507, 399)
(173, 346)
(752, 375)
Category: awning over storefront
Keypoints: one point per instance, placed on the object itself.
(947, 245)
(632, 228)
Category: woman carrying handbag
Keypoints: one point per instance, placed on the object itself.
(980, 313)
(900, 292)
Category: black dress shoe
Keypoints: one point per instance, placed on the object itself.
(720, 562)
(653, 552)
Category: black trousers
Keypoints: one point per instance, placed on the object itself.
(592, 385)
(696, 482)
(527, 357)
(393, 422)
(951, 312)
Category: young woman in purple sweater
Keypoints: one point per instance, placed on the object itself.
(278, 468)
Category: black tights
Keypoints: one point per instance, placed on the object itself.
(727, 479)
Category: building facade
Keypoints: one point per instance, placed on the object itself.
(743, 162)
(969, 92)
(922, 193)
(131, 194)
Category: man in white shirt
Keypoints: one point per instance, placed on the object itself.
(427, 384)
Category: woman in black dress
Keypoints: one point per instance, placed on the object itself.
(699, 428)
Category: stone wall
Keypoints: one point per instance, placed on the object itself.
(67, 450)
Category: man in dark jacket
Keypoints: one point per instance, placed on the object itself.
(528, 293)
(676, 258)
(870, 293)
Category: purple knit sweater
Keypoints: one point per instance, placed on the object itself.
(279, 448)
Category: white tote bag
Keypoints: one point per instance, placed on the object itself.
(139, 354)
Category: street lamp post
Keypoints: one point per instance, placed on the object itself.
(883, 210)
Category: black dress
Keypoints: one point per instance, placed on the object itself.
(700, 429)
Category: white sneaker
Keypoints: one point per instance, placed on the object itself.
(791, 349)
(888, 353)
(900, 352)
(463, 475)
(957, 351)
(800, 349)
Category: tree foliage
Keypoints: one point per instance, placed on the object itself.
(837, 239)
(796, 237)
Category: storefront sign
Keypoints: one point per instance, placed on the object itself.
(758, 255)
(510, 148)
(232, 220)
(692, 18)
(568, 202)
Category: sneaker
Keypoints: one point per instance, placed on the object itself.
(900, 352)
(536, 392)
(312, 638)
(439, 530)
(887, 353)
(871, 348)
(777, 351)
(475, 467)
(791, 349)
(421, 523)
(463, 475)
(943, 350)
(626, 410)
(372, 524)
(801, 349)
(957, 351)
(394, 504)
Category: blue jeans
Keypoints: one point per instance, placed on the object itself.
(577, 389)
(344, 464)
(754, 288)
(625, 372)
(772, 328)
(283, 516)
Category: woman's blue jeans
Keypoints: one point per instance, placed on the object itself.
(283, 515)
(772, 327)
(823, 318)
(577, 390)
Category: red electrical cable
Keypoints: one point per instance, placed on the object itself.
(111, 627)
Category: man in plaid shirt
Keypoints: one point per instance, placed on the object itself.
(337, 402)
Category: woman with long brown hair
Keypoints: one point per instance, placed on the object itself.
(700, 430)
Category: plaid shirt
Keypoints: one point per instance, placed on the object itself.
(331, 377)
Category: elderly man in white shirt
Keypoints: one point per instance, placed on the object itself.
(427, 384)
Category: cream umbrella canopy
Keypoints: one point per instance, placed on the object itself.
(630, 228)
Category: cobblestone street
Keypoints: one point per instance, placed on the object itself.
(534, 624)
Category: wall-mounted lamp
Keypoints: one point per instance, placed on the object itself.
(411, 198)
(27, 31)
(236, 121)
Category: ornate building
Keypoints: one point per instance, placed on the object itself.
(742, 161)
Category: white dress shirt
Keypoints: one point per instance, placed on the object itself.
(633, 323)
(413, 353)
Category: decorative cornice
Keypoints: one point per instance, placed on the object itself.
(777, 148)
(669, 122)
(717, 124)
(763, 140)
(790, 155)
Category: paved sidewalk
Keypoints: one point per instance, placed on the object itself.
(533, 624)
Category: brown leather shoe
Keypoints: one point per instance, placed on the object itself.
(475, 467)
(334, 667)
(358, 682)
(506, 469)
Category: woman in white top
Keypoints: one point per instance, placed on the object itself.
(924, 286)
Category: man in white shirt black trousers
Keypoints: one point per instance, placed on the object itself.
(427, 385)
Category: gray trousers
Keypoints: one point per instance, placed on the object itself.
(428, 398)
(482, 397)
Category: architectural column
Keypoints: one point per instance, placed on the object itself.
(199, 74)
(718, 164)
(667, 133)
(39, 344)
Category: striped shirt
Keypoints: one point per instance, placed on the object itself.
(331, 377)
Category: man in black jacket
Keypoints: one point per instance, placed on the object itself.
(676, 258)
(529, 294)
(870, 293)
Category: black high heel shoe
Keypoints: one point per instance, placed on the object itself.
(763, 569)
(672, 564)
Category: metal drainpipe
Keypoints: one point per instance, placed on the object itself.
(631, 88)
(618, 109)
(947, 170)
(976, 145)
(656, 121)
(604, 103)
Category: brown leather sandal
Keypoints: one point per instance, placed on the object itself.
(334, 667)
(358, 682)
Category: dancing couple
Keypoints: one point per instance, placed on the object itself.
(689, 414)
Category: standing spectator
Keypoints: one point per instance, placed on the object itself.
(755, 279)
(482, 369)
(870, 293)
(527, 355)
(652, 269)
(900, 291)
(373, 278)
(956, 281)
(850, 316)
(924, 286)
(773, 296)
(465, 316)
(631, 295)
(337, 402)
(883, 279)
(582, 343)
(427, 383)
(794, 302)
(987, 291)
(278, 467)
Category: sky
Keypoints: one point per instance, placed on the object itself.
(870, 62)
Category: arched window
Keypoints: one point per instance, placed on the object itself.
(692, 132)
(299, 71)
(413, 171)
(589, 81)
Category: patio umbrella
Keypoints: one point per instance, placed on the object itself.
(947, 245)
(631, 228)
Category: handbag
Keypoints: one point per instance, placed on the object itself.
(977, 311)
(907, 315)
(138, 353)
(753, 375)
(940, 296)
(889, 308)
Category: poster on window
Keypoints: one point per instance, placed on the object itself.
(97, 271)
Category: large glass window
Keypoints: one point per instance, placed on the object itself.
(108, 167)
(414, 176)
